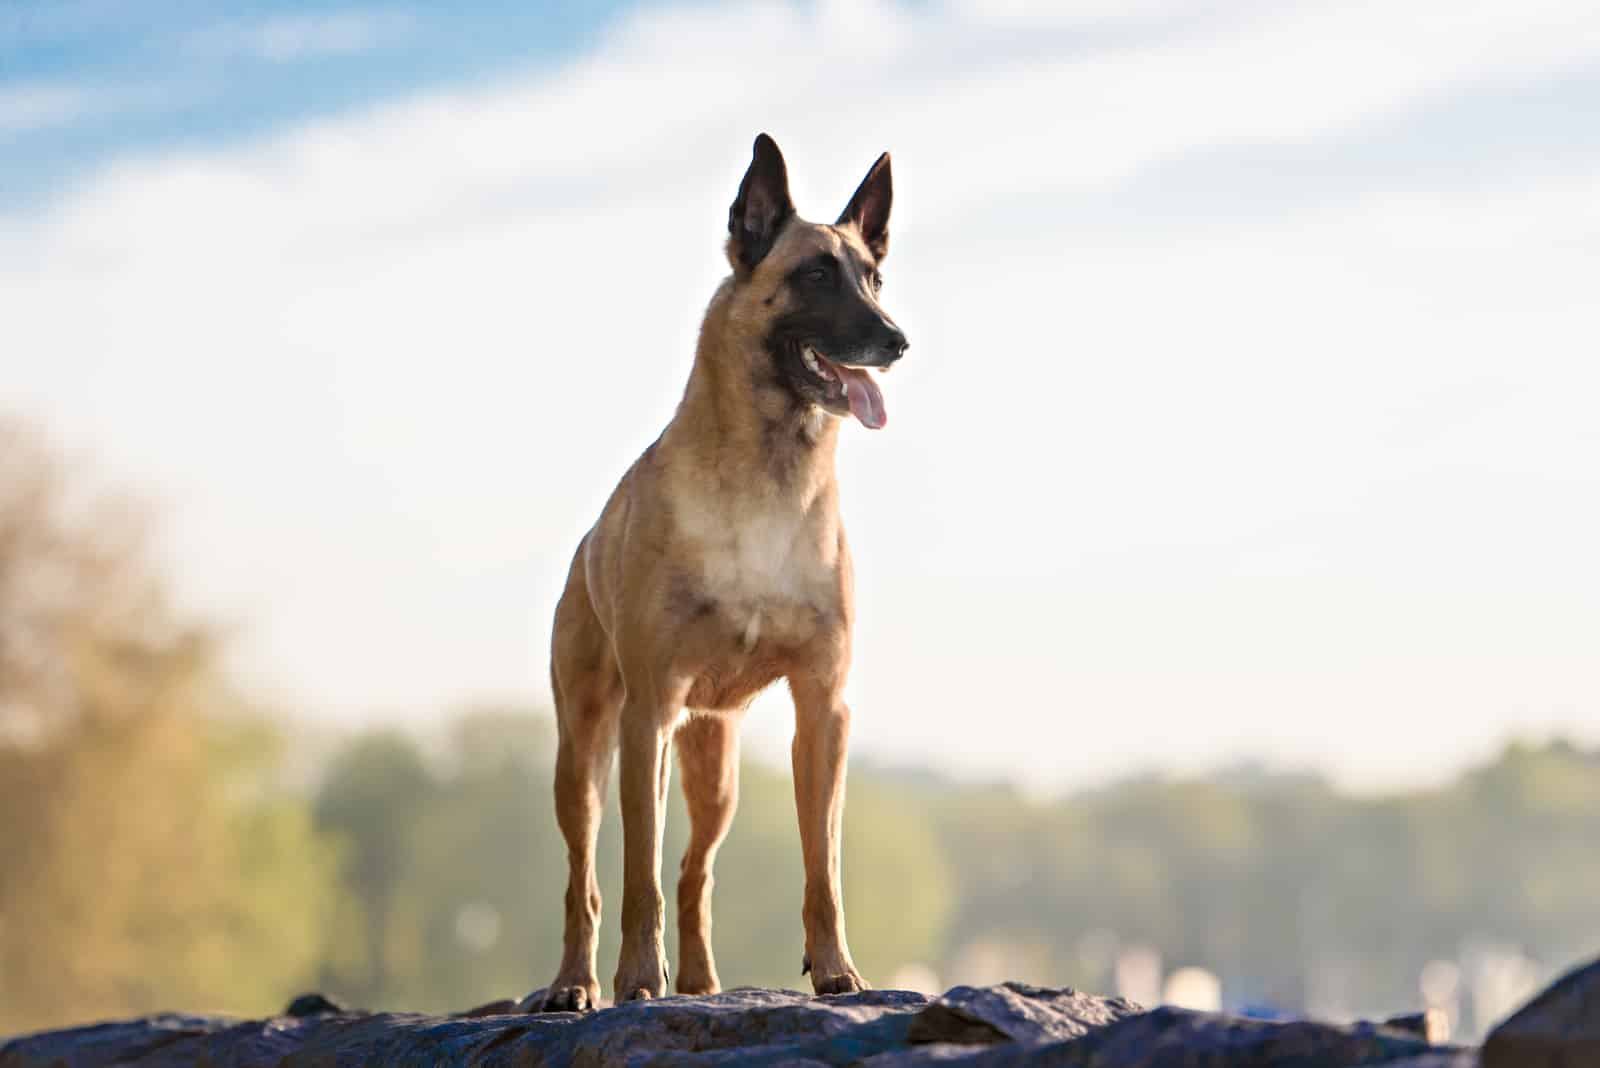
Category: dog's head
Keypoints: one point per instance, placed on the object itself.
(811, 290)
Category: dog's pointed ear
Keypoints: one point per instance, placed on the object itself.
(869, 208)
(762, 206)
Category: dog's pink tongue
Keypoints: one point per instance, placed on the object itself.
(866, 400)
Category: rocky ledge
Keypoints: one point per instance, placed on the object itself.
(970, 1027)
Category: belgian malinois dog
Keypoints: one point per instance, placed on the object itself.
(718, 566)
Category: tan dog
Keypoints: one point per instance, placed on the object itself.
(718, 566)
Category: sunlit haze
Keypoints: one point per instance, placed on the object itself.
(1250, 410)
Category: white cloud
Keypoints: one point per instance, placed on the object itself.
(291, 38)
(1317, 486)
(1072, 12)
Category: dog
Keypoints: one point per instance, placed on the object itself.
(718, 566)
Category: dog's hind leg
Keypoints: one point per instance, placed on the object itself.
(588, 694)
(708, 754)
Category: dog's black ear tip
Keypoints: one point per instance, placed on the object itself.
(764, 145)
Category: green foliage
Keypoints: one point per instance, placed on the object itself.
(1257, 880)
(896, 880)
(143, 850)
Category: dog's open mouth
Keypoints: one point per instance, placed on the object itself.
(854, 387)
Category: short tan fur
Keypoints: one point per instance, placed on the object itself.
(718, 566)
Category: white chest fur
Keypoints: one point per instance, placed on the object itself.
(767, 566)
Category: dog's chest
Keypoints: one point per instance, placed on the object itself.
(769, 573)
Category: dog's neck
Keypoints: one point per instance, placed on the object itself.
(738, 422)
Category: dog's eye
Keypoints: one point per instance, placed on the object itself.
(877, 282)
(818, 275)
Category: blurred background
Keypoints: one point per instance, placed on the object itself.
(1229, 610)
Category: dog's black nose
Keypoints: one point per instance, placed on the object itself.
(895, 344)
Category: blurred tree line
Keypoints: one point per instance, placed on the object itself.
(145, 856)
(156, 853)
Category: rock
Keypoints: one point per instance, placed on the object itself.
(107, 1043)
(752, 1027)
(503, 1007)
(971, 1027)
(1179, 1038)
(1015, 1012)
(312, 1005)
(1560, 1028)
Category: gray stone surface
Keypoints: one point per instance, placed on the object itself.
(1015, 1012)
(1176, 1038)
(973, 1027)
(1560, 1028)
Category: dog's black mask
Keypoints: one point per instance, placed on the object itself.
(832, 329)
(833, 332)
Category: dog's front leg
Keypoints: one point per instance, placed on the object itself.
(821, 738)
(645, 735)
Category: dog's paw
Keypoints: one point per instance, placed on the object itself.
(847, 983)
(641, 983)
(698, 985)
(576, 997)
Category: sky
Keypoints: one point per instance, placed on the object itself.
(1249, 414)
